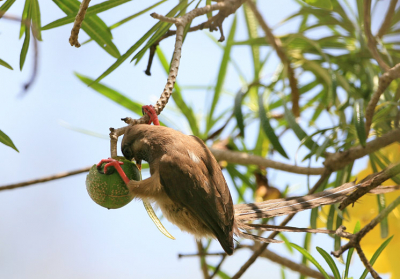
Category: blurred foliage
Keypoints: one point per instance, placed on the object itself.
(337, 76)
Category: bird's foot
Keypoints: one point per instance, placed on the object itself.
(150, 111)
(116, 164)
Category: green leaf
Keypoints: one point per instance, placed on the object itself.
(311, 259)
(4, 8)
(359, 121)
(267, 128)
(208, 3)
(113, 95)
(299, 132)
(125, 20)
(330, 262)
(7, 141)
(25, 17)
(376, 255)
(221, 74)
(177, 97)
(384, 223)
(36, 21)
(324, 4)
(314, 217)
(5, 64)
(252, 25)
(93, 26)
(133, 48)
(92, 10)
(24, 49)
(238, 112)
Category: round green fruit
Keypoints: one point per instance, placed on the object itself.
(109, 190)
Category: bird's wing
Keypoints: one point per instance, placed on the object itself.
(192, 177)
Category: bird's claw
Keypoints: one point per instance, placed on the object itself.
(151, 112)
(114, 163)
(110, 162)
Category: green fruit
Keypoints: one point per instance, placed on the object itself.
(109, 190)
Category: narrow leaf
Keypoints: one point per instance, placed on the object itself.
(299, 132)
(4, 8)
(238, 112)
(221, 73)
(93, 26)
(324, 4)
(384, 223)
(92, 10)
(25, 17)
(268, 130)
(24, 49)
(359, 121)
(330, 262)
(36, 21)
(113, 95)
(376, 255)
(5, 64)
(133, 48)
(7, 141)
(311, 259)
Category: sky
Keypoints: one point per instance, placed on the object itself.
(54, 229)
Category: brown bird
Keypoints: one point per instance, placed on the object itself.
(186, 181)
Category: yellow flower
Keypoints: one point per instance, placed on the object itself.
(366, 209)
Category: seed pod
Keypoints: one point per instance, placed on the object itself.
(109, 190)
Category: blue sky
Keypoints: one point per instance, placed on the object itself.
(54, 230)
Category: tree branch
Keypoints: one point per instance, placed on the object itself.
(44, 179)
(384, 82)
(387, 19)
(339, 160)
(73, 39)
(370, 38)
(242, 158)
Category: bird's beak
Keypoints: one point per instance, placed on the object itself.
(139, 164)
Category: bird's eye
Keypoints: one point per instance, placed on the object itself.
(127, 153)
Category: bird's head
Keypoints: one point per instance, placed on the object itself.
(134, 145)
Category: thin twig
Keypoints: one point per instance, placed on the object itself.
(218, 267)
(242, 158)
(203, 263)
(370, 38)
(44, 179)
(339, 160)
(300, 268)
(387, 19)
(384, 82)
(277, 45)
(73, 39)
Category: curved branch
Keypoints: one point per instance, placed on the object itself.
(73, 39)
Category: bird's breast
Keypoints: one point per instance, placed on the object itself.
(184, 219)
